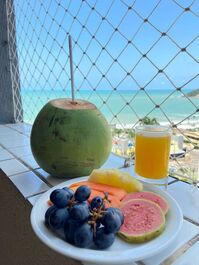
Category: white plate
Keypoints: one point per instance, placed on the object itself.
(120, 252)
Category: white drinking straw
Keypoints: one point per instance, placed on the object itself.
(71, 67)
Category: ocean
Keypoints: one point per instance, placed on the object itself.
(121, 107)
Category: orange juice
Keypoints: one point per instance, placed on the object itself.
(152, 150)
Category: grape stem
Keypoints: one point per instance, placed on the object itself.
(98, 213)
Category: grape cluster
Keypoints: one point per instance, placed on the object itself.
(84, 224)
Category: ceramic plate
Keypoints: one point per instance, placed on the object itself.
(120, 252)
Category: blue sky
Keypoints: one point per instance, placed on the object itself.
(42, 28)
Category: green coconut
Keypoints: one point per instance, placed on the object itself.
(70, 139)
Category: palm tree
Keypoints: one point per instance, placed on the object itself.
(149, 121)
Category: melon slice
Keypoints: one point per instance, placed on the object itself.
(143, 220)
(116, 178)
(148, 195)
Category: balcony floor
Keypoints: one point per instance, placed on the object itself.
(17, 161)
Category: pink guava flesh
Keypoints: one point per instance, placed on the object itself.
(141, 217)
(148, 196)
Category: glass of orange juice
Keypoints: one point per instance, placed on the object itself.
(152, 149)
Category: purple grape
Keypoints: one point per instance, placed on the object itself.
(83, 236)
(58, 218)
(111, 222)
(48, 213)
(71, 192)
(97, 202)
(82, 193)
(69, 229)
(103, 240)
(116, 210)
(80, 212)
(60, 198)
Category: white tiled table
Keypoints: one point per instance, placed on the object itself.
(17, 162)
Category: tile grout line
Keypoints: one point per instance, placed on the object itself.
(14, 157)
(6, 158)
(29, 168)
(173, 181)
(21, 133)
(35, 194)
(180, 251)
(16, 129)
(167, 261)
(191, 221)
(169, 183)
(45, 181)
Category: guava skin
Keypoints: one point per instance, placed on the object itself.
(148, 213)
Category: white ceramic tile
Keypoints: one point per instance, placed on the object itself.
(4, 131)
(4, 155)
(51, 180)
(131, 171)
(21, 127)
(30, 161)
(188, 200)
(14, 125)
(9, 133)
(33, 199)
(14, 140)
(28, 183)
(21, 151)
(189, 257)
(114, 161)
(187, 232)
(12, 166)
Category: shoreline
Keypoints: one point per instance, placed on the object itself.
(187, 125)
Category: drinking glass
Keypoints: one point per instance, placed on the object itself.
(152, 150)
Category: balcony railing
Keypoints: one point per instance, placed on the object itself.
(134, 59)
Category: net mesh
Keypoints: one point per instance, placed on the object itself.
(122, 51)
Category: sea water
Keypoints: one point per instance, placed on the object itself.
(123, 106)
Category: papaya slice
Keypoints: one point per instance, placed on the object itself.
(115, 195)
(93, 192)
(114, 200)
(49, 203)
(119, 193)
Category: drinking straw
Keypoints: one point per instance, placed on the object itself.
(71, 67)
